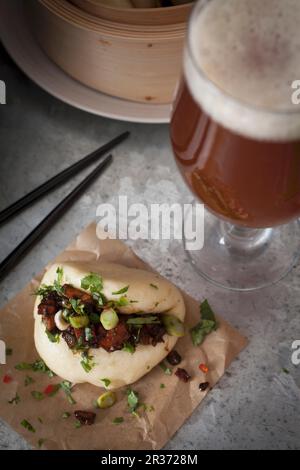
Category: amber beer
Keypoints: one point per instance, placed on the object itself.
(235, 131)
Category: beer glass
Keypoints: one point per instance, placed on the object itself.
(235, 133)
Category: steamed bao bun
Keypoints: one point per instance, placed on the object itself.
(120, 367)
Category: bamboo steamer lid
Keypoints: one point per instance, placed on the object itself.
(134, 61)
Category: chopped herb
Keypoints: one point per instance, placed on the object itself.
(118, 420)
(132, 399)
(15, 400)
(286, 371)
(23, 366)
(94, 283)
(206, 325)
(77, 424)
(121, 302)
(106, 382)
(40, 420)
(54, 338)
(77, 306)
(41, 442)
(43, 290)
(133, 301)
(87, 362)
(28, 380)
(66, 415)
(27, 425)
(37, 395)
(167, 370)
(143, 320)
(37, 366)
(128, 347)
(154, 286)
(8, 351)
(88, 334)
(162, 386)
(156, 304)
(67, 387)
(58, 281)
(121, 291)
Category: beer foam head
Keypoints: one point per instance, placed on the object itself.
(241, 60)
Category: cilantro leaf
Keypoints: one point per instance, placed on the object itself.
(106, 382)
(207, 312)
(121, 291)
(92, 282)
(87, 362)
(122, 301)
(27, 425)
(28, 380)
(128, 347)
(118, 420)
(67, 387)
(167, 370)
(206, 325)
(37, 366)
(77, 306)
(41, 442)
(58, 281)
(37, 395)
(54, 338)
(132, 400)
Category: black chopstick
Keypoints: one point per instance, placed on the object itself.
(50, 219)
(59, 178)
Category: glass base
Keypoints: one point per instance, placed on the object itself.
(243, 259)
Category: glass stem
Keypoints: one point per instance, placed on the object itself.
(243, 240)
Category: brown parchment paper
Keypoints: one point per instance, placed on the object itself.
(172, 404)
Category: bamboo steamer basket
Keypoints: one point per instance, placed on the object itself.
(143, 16)
(134, 61)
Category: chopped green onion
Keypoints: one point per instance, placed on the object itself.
(37, 395)
(118, 420)
(27, 425)
(128, 347)
(121, 291)
(106, 382)
(167, 370)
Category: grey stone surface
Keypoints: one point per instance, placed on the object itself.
(255, 405)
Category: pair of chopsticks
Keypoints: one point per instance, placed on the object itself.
(44, 188)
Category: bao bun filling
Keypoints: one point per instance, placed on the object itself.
(88, 320)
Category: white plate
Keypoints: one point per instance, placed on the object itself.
(20, 44)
